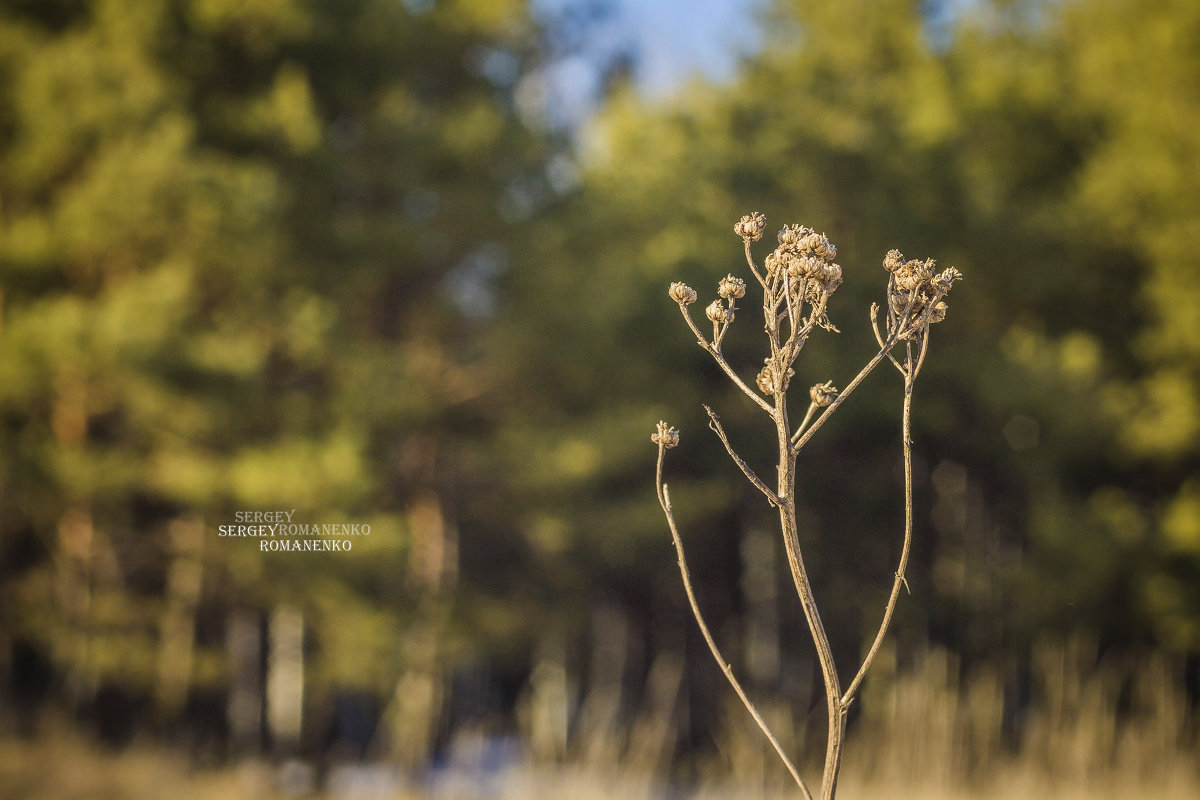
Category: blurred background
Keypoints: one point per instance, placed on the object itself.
(402, 265)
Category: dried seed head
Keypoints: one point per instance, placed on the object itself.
(915, 274)
(665, 436)
(770, 380)
(801, 267)
(719, 312)
(893, 260)
(777, 260)
(823, 394)
(764, 380)
(731, 288)
(682, 293)
(817, 244)
(831, 275)
(751, 226)
(916, 291)
(805, 240)
(947, 278)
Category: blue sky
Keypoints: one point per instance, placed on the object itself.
(671, 39)
(675, 38)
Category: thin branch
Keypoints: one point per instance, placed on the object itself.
(793, 324)
(801, 439)
(723, 364)
(664, 500)
(753, 268)
(771, 316)
(879, 338)
(873, 314)
(906, 438)
(924, 349)
(816, 312)
(715, 424)
(812, 407)
(892, 323)
(796, 343)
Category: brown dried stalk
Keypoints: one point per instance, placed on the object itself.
(799, 273)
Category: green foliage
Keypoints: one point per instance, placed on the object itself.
(225, 231)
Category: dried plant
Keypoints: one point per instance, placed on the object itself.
(797, 280)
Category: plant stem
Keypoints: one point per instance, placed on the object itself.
(801, 438)
(906, 439)
(722, 363)
(791, 541)
(664, 500)
(714, 422)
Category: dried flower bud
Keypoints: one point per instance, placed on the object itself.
(665, 436)
(937, 313)
(764, 380)
(786, 235)
(915, 274)
(831, 274)
(731, 288)
(893, 261)
(823, 394)
(818, 245)
(751, 226)
(682, 293)
(947, 278)
(719, 312)
(777, 260)
(804, 267)
(769, 379)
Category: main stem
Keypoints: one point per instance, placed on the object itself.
(791, 540)
(664, 500)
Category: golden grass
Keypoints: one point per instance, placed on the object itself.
(1098, 728)
(65, 766)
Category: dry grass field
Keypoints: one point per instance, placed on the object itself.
(1119, 730)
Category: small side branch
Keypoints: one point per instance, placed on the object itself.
(879, 337)
(801, 436)
(664, 500)
(812, 407)
(723, 364)
(899, 580)
(714, 422)
(753, 267)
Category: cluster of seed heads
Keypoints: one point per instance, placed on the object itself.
(801, 270)
(802, 267)
(915, 293)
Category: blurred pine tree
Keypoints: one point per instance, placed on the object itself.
(245, 248)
